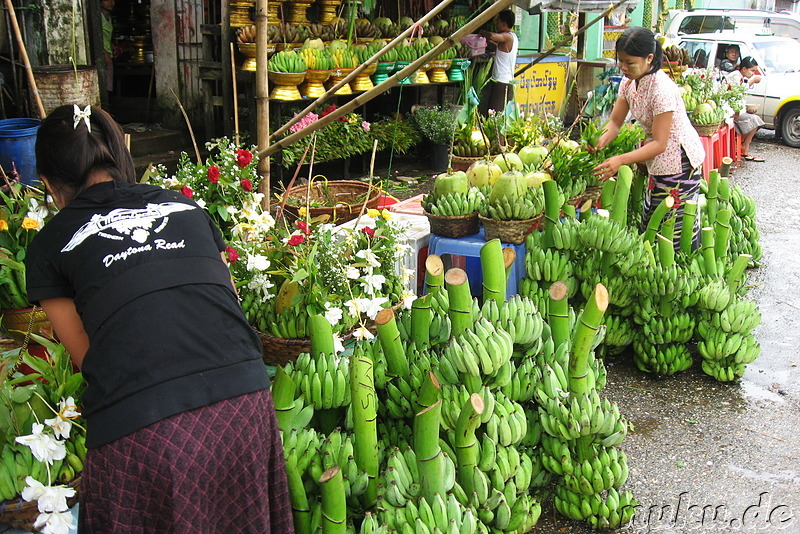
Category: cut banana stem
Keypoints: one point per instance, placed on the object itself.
(460, 299)
(321, 335)
(707, 249)
(736, 274)
(509, 257)
(622, 193)
(552, 210)
(430, 391)
(334, 503)
(301, 512)
(569, 210)
(655, 220)
(364, 405)
(558, 313)
(421, 317)
(666, 251)
(668, 228)
(687, 227)
(283, 393)
(724, 189)
(494, 271)
(466, 443)
(430, 462)
(649, 254)
(588, 323)
(607, 193)
(434, 273)
(722, 234)
(586, 210)
(725, 168)
(712, 195)
(389, 337)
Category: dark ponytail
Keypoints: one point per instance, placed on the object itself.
(641, 42)
(67, 154)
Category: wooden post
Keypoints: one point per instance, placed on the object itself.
(262, 100)
(12, 15)
(235, 98)
(362, 99)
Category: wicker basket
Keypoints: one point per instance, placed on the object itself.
(706, 130)
(22, 514)
(348, 197)
(460, 163)
(457, 226)
(282, 350)
(509, 231)
(592, 193)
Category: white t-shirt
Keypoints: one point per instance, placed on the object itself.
(505, 62)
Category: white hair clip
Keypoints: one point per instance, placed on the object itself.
(84, 115)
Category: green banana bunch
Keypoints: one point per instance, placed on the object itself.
(344, 58)
(454, 204)
(481, 350)
(287, 61)
(718, 345)
(607, 235)
(508, 424)
(548, 265)
(662, 359)
(323, 380)
(739, 317)
(723, 371)
(619, 332)
(503, 208)
(657, 280)
(401, 476)
(676, 328)
(519, 316)
(615, 510)
(565, 234)
(715, 296)
(302, 445)
(317, 59)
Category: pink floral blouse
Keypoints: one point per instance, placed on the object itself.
(657, 94)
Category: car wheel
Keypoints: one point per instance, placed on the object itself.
(790, 127)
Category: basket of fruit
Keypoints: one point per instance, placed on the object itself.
(452, 208)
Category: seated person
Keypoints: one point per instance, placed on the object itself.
(731, 59)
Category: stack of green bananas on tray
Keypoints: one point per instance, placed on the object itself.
(511, 208)
(390, 56)
(454, 204)
(317, 59)
(344, 58)
(407, 52)
(287, 61)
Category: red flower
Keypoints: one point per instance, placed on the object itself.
(233, 256)
(369, 231)
(651, 184)
(247, 185)
(677, 196)
(296, 239)
(243, 158)
(187, 191)
(213, 174)
(302, 225)
(330, 109)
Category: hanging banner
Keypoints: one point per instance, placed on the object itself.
(543, 88)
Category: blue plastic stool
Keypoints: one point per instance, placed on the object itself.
(470, 248)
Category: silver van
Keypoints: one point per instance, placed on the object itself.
(750, 21)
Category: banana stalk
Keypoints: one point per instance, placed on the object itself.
(466, 443)
(712, 196)
(321, 335)
(687, 230)
(283, 393)
(434, 273)
(301, 512)
(494, 271)
(389, 337)
(429, 393)
(649, 254)
(622, 192)
(509, 257)
(365, 417)
(586, 210)
(569, 210)
(558, 313)
(722, 233)
(589, 321)
(607, 193)
(334, 504)
(655, 220)
(725, 168)
(666, 256)
(421, 316)
(724, 189)
(430, 462)
(637, 191)
(552, 210)
(736, 274)
(460, 298)
(707, 249)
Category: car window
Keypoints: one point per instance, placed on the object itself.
(788, 29)
(704, 24)
(700, 52)
(779, 56)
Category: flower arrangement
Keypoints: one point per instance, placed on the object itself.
(301, 268)
(225, 185)
(45, 446)
(22, 215)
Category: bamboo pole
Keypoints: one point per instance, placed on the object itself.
(722, 234)
(321, 335)
(736, 275)
(262, 100)
(355, 72)
(283, 392)
(622, 192)
(552, 210)
(301, 511)
(707, 250)
(25, 60)
(235, 99)
(712, 196)
(393, 80)
(334, 505)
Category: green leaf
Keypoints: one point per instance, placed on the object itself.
(300, 274)
(223, 213)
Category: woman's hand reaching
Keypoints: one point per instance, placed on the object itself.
(608, 168)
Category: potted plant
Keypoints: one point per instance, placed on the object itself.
(437, 125)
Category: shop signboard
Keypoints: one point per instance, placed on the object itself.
(543, 87)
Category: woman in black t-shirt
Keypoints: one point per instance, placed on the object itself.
(181, 427)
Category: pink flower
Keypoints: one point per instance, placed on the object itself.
(243, 158)
(369, 231)
(365, 125)
(305, 121)
(213, 174)
(233, 255)
(187, 191)
(303, 226)
(296, 239)
(247, 185)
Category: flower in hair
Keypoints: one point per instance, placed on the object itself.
(79, 115)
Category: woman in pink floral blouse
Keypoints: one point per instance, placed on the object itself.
(672, 150)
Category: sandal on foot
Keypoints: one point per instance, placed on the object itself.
(747, 157)
(754, 158)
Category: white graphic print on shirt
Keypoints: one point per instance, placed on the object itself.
(134, 223)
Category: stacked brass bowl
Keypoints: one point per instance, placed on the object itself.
(327, 10)
(313, 88)
(363, 82)
(286, 84)
(297, 11)
(240, 13)
(337, 75)
(421, 74)
(438, 72)
(248, 50)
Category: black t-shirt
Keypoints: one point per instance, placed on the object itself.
(165, 328)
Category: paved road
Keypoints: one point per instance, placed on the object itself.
(711, 457)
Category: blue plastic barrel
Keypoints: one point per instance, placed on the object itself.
(17, 148)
